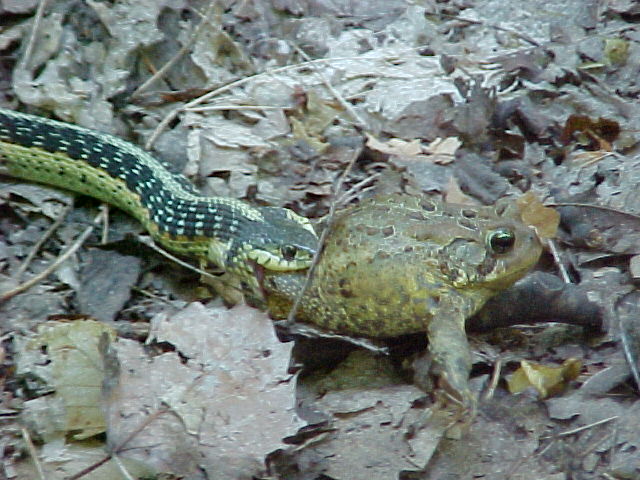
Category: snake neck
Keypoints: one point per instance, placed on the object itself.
(117, 172)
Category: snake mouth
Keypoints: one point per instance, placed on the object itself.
(259, 274)
(254, 285)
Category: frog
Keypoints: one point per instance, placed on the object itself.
(402, 264)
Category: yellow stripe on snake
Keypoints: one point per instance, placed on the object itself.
(229, 233)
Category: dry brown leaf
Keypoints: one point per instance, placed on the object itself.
(454, 194)
(593, 134)
(544, 219)
(443, 150)
(394, 146)
(440, 151)
(227, 385)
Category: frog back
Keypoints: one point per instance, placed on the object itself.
(391, 264)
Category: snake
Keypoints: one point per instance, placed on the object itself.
(230, 234)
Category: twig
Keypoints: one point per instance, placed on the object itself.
(580, 429)
(346, 105)
(150, 418)
(210, 108)
(160, 411)
(471, 21)
(358, 188)
(148, 241)
(90, 468)
(599, 156)
(629, 353)
(604, 208)
(558, 261)
(584, 452)
(122, 467)
(104, 238)
(36, 248)
(34, 454)
(34, 31)
(153, 296)
(173, 60)
(51, 268)
(493, 382)
(204, 98)
(323, 237)
(614, 442)
(308, 331)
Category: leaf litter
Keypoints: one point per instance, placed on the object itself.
(532, 110)
(226, 400)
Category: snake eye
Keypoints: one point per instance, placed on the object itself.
(289, 252)
(501, 240)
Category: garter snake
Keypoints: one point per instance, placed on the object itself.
(226, 232)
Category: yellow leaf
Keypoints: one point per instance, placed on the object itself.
(77, 371)
(546, 380)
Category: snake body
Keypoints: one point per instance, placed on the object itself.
(229, 233)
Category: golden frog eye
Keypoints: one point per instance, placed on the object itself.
(501, 240)
(289, 252)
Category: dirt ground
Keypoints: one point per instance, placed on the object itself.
(116, 362)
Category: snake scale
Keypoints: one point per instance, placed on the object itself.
(228, 233)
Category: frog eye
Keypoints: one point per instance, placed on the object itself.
(289, 252)
(501, 240)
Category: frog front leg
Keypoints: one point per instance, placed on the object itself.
(451, 361)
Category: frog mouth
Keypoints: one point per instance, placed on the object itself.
(275, 285)
(258, 271)
(259, 275)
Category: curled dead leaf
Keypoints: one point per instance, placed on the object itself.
(592, 134)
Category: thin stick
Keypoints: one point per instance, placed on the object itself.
(235, 107)
(122, 467)
(604, 208)
(323, 237)
(173, 60)
(34, 31)
(36, 248)
(197, 101)
(556, 257)
(471, 21)
(357, 189)
(580, 429)
(104, 238)
(150, 418)
(493, 382)
(151, 244)
(90, 468)
(629, 352)
(346, 105)
(51, 268)
(33, 453)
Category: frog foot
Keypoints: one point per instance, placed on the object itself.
(451, 413)
(454, 402)
(459, 404)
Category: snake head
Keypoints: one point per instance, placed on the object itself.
(282, 241)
